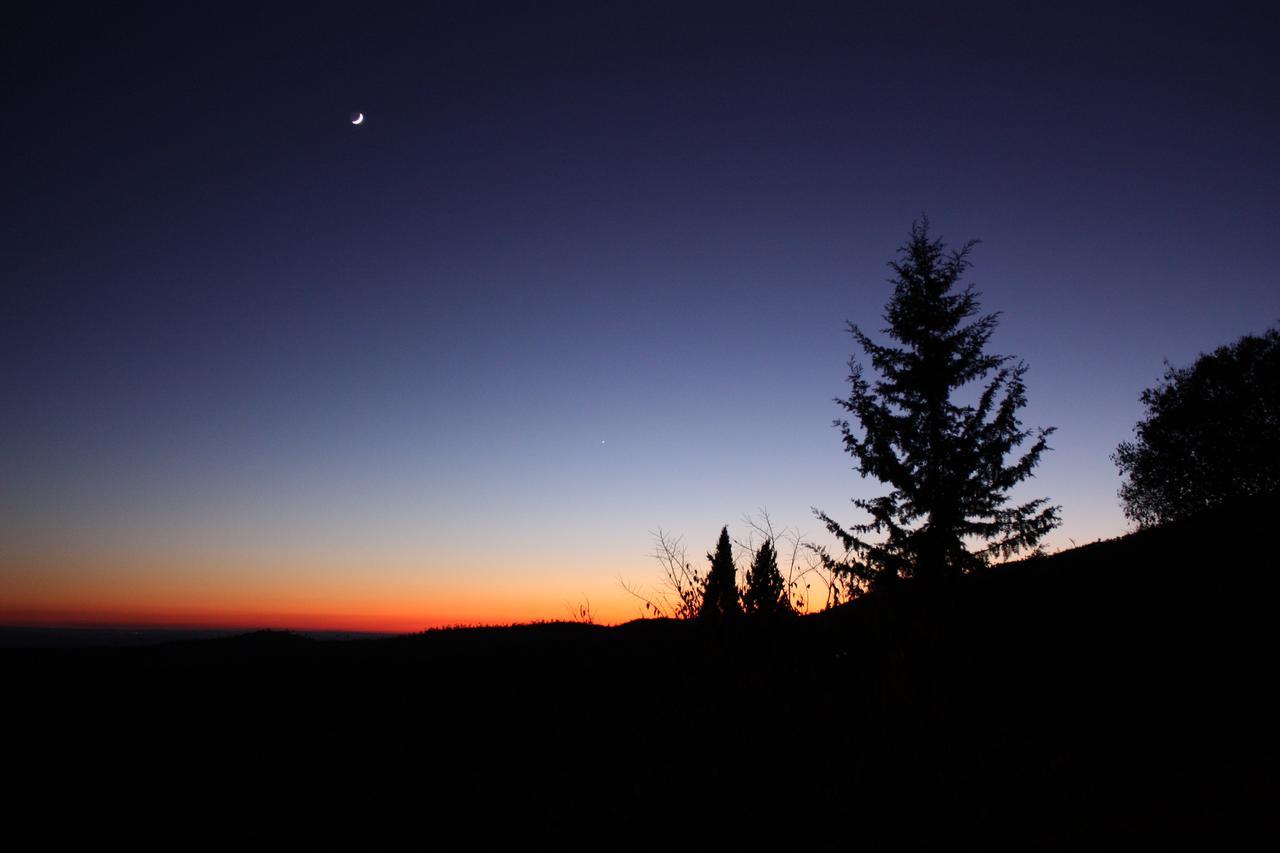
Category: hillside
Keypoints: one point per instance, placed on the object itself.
(1115, 693)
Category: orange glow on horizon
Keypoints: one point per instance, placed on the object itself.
(140, 593)
(392, 617)
(390, 621)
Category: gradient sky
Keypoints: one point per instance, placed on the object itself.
(584, 272)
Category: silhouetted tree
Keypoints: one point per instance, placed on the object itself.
(682, 588)
(945, 462)
(797, 561)
(720, 600)
(1212, 432)
(766, 592)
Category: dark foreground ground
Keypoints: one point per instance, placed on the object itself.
(1116, 695)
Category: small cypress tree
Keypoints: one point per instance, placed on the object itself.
(720, 600)
(766, 592)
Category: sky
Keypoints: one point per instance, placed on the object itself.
(582, 273)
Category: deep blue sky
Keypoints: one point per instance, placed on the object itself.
(239, 333)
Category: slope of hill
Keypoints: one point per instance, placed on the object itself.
(1116, 693)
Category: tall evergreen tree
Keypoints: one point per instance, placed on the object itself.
(766, 592)
(945, 462)
(720, 599)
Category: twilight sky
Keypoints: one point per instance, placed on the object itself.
(583, 272)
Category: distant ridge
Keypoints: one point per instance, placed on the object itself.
(21, 636)
(1117, 695)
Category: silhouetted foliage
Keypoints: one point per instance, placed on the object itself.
(766, 591)
(1211, 434)
(945, 462)
(798, 564)
(1062, 704)
(720, 599)
(581, 612)
(682, 589)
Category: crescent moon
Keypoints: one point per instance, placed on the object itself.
(358, 118)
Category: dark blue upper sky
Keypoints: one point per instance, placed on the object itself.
(233, 323)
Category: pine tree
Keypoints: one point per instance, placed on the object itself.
(766, 592)
(944, 462)
(720, 599)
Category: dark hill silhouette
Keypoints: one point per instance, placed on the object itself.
(1118, 693)
(260, 641)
